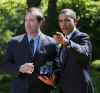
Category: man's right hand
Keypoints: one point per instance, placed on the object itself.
(60, 38)
(49, 81)
(27, 68)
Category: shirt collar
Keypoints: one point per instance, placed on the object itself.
(69, 36)
(35, 38)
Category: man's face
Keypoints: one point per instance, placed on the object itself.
(31, 23)
(66, 23)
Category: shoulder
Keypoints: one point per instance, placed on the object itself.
(16, 40)
(48, 39)
(79, 34)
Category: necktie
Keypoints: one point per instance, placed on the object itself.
(66, 37)
(32, 45)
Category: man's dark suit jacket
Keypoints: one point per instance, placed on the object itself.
(76, 60)
(18, 53)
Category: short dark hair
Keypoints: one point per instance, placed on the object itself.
(39, 14)
(70, 11)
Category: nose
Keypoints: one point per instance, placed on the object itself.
(63, 23)
(28, 24)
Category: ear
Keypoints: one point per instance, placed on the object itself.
(41, 22)
(75, 21)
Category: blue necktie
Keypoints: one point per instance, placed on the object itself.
(32, 45)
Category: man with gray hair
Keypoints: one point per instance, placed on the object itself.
(75, 55)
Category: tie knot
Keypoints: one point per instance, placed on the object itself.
(31, 43)
(66, 37)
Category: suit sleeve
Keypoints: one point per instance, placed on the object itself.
(57, 66)
(8, 61)
(81, 47)
(54, 58)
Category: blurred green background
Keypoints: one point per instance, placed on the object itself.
(12, 14)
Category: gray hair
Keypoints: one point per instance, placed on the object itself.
(70, 12)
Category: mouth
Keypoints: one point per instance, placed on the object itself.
(64, 29)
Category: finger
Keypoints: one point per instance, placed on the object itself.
(53, 76)
(33, 70)
(31, 64)
(56, 38)
(48, 82)
(28, 64)
(46, 77)
(28, 72)
(59, 33)
(22, 71)
(41, 78)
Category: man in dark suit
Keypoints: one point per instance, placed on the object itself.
(24, 50)
(75, 55)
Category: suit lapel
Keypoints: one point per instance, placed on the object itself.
(74, 34)
(26, 48)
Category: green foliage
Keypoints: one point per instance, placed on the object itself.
(96, 65)
(5, 83)
(96, 79)
(11, 17)
(96, 75)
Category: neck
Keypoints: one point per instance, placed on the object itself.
(71, 31)
(34, 33)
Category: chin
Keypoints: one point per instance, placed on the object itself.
(65, 32)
